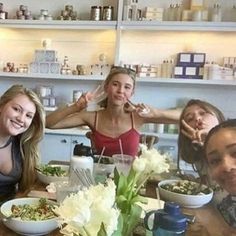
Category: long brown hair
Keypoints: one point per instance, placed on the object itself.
(30, 139)
(186, 150)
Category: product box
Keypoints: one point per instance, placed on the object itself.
(188, 72)
(191, 59)
(196, 5)
(34, 67)
(44, 67)
(45, 55)
(55, 68)
(147, 74)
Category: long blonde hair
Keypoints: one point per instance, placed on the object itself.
(29, 140)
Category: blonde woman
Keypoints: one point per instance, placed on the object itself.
(113, 127)
(21, 129)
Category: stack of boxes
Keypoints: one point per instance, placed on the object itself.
(45, 62)
(152, 13)
(190, 65)
(147, 71)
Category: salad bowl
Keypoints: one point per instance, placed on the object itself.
(27, 226)
(52, 173)
(186, 193)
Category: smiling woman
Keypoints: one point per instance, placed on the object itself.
(21, 129)
(220, 152)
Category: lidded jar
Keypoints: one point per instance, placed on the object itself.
(168, 221)
(82, 158)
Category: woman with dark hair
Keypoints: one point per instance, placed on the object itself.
(21, 129)
(196, 120)
(220, 154)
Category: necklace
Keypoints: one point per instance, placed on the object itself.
(7, 143)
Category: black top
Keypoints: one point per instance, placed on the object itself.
(8, 182)
(228, 209)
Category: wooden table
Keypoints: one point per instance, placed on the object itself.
(208, 221)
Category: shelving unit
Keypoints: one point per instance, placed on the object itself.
(58, 24)
(96, 78)
(179, 26)
(132, 42)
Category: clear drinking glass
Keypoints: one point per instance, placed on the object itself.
(123, 162)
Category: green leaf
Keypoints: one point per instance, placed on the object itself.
(102, 231)
(116, 176)
(118, 232)
(121, 185)
(139, 198)
(131, 219)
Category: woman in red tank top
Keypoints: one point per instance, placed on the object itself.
(113, 125)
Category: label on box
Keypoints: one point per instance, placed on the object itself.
(191, 70)
(179, 70)
(185, 57)
(199, 58)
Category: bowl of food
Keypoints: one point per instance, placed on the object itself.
(29, 216)
(185, 193)
(52, 173)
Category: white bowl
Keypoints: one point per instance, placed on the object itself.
(42, 227)
(47, 179)
(184, 200)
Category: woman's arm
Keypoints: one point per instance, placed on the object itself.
(154, 115)
(68, 116)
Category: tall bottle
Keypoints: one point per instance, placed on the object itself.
(216, 14)
(206, 70)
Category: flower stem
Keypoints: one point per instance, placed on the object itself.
(86, 231)
(143, 182)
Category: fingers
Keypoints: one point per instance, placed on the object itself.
(129, 107)
(142, 109)
(193, 134)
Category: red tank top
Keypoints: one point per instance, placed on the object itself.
(129, 141)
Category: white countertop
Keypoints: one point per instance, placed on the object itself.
(69, 131)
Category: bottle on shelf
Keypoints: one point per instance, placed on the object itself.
(216, 14)
(206, 70)
(178, 12)
(171, 13)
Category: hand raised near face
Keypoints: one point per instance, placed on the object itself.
(197, 136)
(83, 100)
(141, 109)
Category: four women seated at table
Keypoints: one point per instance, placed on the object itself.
(118, 123)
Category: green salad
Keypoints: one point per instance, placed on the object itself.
(50, 170)
(41, 211)
(186, 187)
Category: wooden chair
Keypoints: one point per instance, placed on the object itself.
(149, 140)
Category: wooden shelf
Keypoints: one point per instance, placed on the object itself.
(58, 24)
(178, 26)
(10, 75)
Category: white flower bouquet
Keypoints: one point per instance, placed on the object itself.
(111, 209)
(89, 212)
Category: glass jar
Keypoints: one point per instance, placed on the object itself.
(107, 13)
(96, 13)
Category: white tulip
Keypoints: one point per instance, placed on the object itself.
(139, 164)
